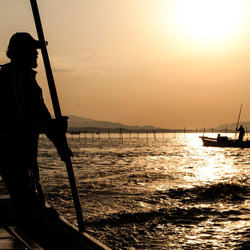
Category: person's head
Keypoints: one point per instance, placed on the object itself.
(22, 50)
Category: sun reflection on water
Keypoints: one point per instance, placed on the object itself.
(212, 163)
(214, 168)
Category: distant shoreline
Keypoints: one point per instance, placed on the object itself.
(75, 130)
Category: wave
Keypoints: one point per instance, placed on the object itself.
(226, 190)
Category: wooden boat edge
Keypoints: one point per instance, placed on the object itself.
(63, 227)
(70, 235)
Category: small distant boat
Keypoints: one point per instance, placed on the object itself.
(224, 141)
(68, 236)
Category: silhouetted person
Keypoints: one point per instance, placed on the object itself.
(23, 117)
(241, 134)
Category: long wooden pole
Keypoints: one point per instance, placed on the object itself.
(57, 111)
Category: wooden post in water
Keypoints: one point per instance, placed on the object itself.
(121, 135)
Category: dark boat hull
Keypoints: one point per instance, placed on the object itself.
(214, 142)
(67, 236)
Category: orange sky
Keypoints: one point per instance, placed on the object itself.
(167, 63)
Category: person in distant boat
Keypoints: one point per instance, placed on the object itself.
(241, 134)
(25, 116)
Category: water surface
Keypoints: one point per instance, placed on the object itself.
(167, 192)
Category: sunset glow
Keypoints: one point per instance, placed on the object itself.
(166, 63)
(209, 21)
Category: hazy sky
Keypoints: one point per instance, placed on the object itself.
(167, 63)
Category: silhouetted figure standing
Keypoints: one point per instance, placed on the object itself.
(24, 116)
(242, 133)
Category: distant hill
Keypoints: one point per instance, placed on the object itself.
(81, 122)
(232, 126)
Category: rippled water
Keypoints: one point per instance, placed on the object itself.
(167, 192)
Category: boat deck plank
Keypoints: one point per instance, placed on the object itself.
(7, 241)
(15, 239)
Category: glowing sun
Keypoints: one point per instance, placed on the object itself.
(209, 21)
